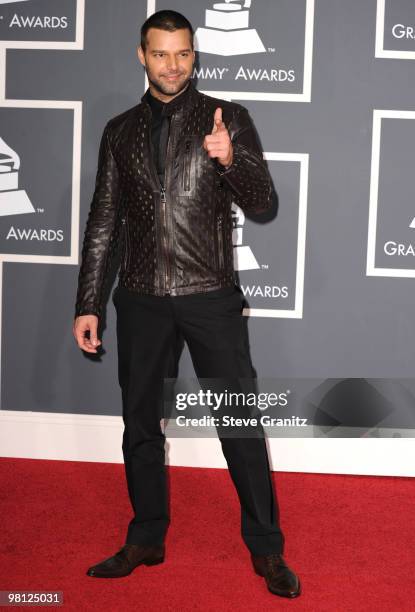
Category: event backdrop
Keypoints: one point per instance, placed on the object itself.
(328, 274)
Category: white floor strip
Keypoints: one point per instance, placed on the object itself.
(75, 437)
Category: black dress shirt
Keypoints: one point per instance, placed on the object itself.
(160, 125)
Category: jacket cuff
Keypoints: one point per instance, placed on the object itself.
(247, 172)
(220, 169)
(87, 309)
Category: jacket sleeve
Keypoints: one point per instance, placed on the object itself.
(98, 246)
(248, 176)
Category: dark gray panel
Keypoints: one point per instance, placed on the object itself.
(353, 325)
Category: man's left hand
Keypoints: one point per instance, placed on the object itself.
(218, 143)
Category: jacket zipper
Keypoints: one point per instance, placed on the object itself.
(187, 163)
(163, 204)
(220, 242)
(127, 239)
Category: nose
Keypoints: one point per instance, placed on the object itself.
(172, 64)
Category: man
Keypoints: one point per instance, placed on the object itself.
(168, 171)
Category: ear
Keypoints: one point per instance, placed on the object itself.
(140, 55)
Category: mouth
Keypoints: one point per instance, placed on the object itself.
(172, 77)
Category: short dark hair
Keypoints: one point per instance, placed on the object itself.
(165, 20)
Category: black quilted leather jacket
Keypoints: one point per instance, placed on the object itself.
(178, 239)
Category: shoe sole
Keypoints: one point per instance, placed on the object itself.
(148, 562)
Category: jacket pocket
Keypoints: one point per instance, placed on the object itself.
(221, 245)
(187, 165)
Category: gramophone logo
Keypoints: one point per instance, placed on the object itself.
(13, 201)
(11, 1)
(227, 30)
(243, 257)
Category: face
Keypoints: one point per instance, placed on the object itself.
(168, 61)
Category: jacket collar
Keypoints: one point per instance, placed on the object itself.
(185, 99)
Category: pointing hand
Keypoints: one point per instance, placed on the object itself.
(218, 143)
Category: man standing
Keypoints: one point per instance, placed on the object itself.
(168, 171)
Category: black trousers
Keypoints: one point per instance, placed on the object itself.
(151, 331)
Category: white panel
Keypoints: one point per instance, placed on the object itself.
(71, 437)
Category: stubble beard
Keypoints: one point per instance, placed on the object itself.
(165, 88)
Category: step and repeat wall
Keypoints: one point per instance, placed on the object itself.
(328, 273)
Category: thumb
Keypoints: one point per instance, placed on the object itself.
(93, 335)
(217, 119)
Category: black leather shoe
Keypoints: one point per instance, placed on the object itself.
(127, 559)
(280, 579)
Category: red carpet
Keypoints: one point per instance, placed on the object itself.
(350, 539)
